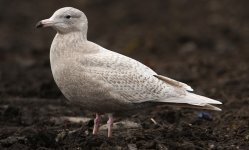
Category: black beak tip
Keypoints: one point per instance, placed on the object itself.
(39, 25)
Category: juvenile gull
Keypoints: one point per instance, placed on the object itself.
(104, 81)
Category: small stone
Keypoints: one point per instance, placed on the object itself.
(161, 147)
(247, 137)
(205, 116)
(211, 146)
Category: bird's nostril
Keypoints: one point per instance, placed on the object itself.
(39, 25)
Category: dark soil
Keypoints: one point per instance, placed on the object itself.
(200, 42)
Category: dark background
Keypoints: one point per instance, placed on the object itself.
(203, 43)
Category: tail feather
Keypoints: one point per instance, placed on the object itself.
(195, 99)
(192, 100)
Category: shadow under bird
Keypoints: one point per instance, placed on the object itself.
(107, 82)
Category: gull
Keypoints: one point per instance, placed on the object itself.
(106, 82)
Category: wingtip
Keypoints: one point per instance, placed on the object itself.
(188, 88)
(219, 102)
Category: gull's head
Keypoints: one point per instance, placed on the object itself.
(66, 20)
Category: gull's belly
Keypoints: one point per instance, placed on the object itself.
(80, 87)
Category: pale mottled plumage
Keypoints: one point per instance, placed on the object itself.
(104, 81)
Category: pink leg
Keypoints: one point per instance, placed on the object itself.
(109, 125)
(96, 124)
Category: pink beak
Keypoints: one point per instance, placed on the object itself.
(45, 23)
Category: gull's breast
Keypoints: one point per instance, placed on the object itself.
(80, 86)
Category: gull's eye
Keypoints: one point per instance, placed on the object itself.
(68, 16)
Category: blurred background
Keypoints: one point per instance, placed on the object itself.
(203, 43)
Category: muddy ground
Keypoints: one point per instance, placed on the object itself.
(202, 43)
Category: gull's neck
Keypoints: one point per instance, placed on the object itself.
(72, 37)
(69, 44)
